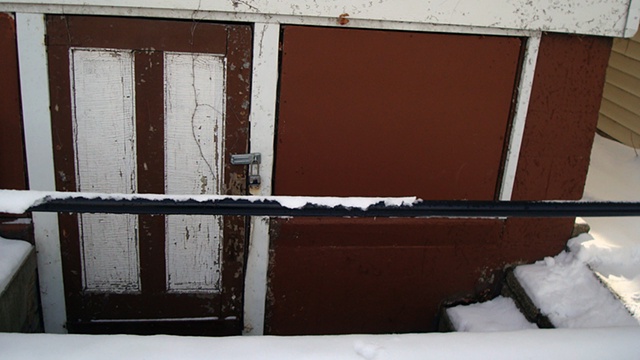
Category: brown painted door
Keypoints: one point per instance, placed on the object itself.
(386, 113)
(150, 106)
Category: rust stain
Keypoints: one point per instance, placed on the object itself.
(342, 19)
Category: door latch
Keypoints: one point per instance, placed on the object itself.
(253, 160)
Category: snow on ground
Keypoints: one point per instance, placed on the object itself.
(544, 344)
(499, 314)
(12, 255)
(612, 247)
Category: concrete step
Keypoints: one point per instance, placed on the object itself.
(625, 288)
(558, 292)
(499, 314)
(512, 288)
(568, 294)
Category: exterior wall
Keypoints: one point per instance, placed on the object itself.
(387, 276)
(620, 108)
(561, 121)
(500, 241)
(420, 118)
(556, 147)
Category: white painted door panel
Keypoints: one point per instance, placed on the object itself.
(194, 133)
(103, 109)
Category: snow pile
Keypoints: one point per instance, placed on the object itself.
(569, 294)
(499, 314)
(544, 344)
(612, 247)
(12, 255)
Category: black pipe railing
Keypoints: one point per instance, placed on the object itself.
(272, 206)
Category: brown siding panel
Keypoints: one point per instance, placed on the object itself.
(333, 276)
(556, 147)
(563, 112)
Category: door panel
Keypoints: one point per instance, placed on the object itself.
(193, 166)
(148, 106)
(386, 113)
(109, 242)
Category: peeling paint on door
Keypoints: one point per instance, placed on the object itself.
(194, 128)
(105, 151)
(176, 97)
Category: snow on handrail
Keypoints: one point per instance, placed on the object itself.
(14, 201)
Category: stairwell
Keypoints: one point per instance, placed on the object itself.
(556, 292)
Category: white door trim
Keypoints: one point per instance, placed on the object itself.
(36, 116)
(520, 116)
(262, 118)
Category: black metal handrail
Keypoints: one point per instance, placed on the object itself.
(272, 206)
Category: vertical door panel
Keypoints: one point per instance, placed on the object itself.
(105, 152)
(194, 103)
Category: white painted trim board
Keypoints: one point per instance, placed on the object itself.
(34, 87)
(520, 116)
(262, 133)
(593, 17)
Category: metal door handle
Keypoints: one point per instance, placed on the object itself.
(253, 160)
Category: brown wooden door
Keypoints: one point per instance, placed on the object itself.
(386, 113)
(150, 106)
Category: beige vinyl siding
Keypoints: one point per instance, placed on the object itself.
(620, 109)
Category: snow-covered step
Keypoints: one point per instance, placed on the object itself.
(613, 253)
(499, 314)
(569, 294)
(512, 288)
(625, 288)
